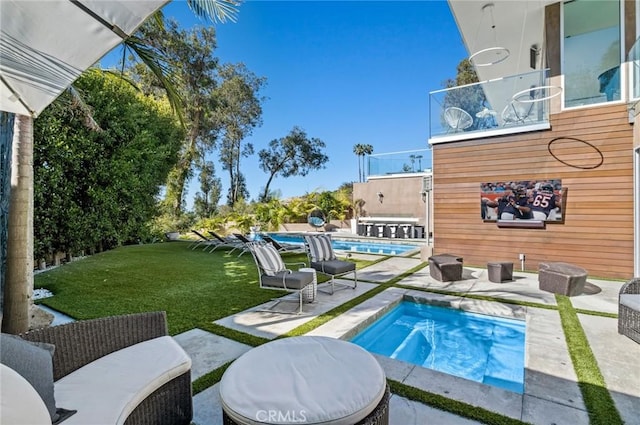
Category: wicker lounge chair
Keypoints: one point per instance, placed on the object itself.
(324, 260)
(274, 274)
(78, 344)
(629, 310)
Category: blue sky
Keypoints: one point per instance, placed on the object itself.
(346, 72)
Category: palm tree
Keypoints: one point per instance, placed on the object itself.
(358, 150)
(17, 280)
(366, 150)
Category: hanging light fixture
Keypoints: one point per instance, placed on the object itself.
(493, 54)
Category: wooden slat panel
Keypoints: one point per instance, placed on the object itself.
(598, 230)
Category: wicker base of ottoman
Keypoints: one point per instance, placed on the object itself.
(445, 267)
(561, 278)
(500, 271)
(379, 416)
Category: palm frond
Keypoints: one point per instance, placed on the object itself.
(161, 70)
(215, 10)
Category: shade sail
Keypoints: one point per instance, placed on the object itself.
(45, 45)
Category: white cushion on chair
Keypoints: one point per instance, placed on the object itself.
(20, 403)
(320, 247)
(270, 259)
(108, 389)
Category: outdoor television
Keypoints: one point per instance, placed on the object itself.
(523, 201)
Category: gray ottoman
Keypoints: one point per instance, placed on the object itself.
(561, 278)
(305, 379)
(445, 267)
(500, 271)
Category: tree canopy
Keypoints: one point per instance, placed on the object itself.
(292, 155)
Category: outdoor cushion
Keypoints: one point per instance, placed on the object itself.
(320, 248)
(108, 389)
(20, 403)
(306, 379)
(293, 280)
(269, 259)
(334, 267)
(33, 361)
(631, 300)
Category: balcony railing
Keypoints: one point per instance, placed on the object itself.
(634, 76)
(500, 106)
(416, 161)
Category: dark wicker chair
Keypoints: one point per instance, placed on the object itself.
(80, 343)
(629, 310)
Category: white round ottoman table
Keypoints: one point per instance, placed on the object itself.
(305, 380)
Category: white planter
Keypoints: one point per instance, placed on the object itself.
(172, 236)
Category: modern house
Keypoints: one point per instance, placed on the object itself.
(552, 119)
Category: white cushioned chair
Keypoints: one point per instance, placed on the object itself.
(274, 274)
(323, 259)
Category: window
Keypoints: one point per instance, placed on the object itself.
(591, 51)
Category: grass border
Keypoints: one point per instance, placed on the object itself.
(449, 405)
(597, 398)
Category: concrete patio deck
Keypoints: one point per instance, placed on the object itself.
(551, 392)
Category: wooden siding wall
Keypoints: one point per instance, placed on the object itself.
(598, 230)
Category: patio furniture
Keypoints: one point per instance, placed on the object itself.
(274, 274)
(445, 267)
(202, 239)
(220, 242)
(629, 310)
(316, 218)
(561, 278)
(284, 247)
(310, 292)
(305, 379)
(500, 271)
(120, 369)
(243, 242)
(457, 119)
(324, 260)
(407, 230)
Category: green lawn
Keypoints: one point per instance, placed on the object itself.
(193, 287)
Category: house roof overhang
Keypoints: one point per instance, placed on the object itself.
(519, 25)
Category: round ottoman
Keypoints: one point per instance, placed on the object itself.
(307, 380)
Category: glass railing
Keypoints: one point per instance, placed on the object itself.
(502, 105)
(634, 75)
(416, 161)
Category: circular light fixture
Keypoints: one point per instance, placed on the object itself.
(494, 54)
(533, 98)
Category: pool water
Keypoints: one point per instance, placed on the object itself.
(478, 347)
(353, 246)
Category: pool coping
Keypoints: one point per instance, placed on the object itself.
(550, 384)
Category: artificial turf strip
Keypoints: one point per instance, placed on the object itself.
(209, 379)
(233, 334)
(453, 406)
(597, 399)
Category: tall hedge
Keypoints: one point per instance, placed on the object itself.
(100, 159)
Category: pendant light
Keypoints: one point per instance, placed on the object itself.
(493, 54)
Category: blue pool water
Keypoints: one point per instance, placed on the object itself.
(353, 246)
(478, 347)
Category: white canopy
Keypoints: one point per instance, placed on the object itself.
(46, 44)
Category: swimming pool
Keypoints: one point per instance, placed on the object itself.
(353, 245)
(478, 347)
